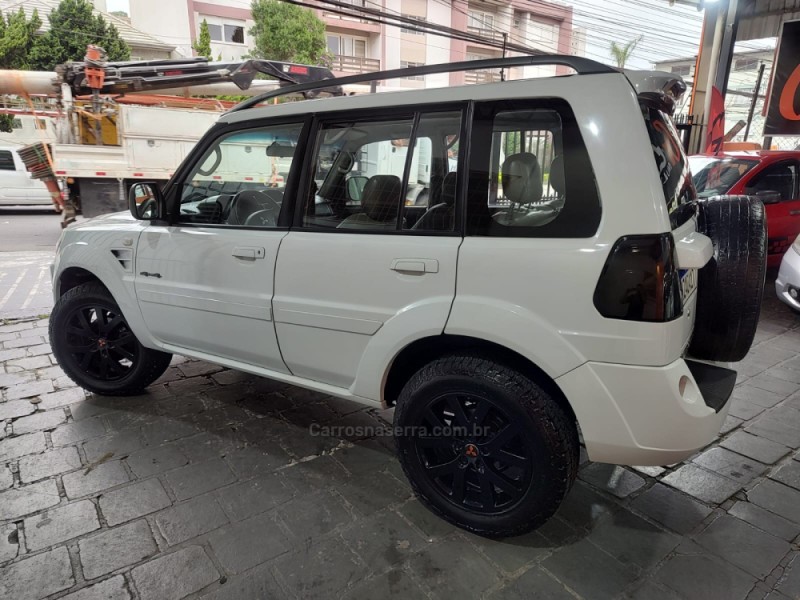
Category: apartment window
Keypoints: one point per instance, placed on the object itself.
(230, 33)
(478, 19)
(413, 31)
(407, 65)
(682, 70)
(345, 45)
(745, 64)
(215, 31)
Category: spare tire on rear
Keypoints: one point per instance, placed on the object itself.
(731, 285)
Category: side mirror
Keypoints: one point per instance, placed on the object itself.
(769, 196)
(355, 187)
(144, 200)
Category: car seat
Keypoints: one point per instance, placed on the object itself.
(380, 202)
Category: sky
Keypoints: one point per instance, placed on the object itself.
(666, 31)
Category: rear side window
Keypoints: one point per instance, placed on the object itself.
(6, 161)
(530, 174)
(673, 166)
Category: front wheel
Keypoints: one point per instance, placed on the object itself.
(95, 347)
(484, 446)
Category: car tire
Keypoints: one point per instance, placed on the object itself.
(502, 465)
(95, 347)
(731, 285)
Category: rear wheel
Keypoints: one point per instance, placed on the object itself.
(483, 446)
(95, 347)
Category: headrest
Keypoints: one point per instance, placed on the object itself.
(522, 181)
(557, 175)
(381, 197)
(448, 195)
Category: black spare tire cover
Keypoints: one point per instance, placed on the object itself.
(731, 285)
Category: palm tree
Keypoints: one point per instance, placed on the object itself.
(621, 54)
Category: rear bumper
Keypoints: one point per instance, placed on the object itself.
(789, 278)
(635, 415)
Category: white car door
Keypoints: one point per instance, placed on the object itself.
(14, 180)
(364, 273)
(205, 284)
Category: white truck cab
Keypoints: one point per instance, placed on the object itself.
(17, 185)
(560, 275)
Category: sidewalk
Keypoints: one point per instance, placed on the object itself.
(25, 284)
(211, 486)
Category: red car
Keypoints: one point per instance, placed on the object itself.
(773, 176)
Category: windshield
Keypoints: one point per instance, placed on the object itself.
(713, 175)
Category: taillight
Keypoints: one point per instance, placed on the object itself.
(639, 281)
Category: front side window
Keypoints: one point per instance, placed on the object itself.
(520, 183)
(6, 161)
(714, 175)
(379, 176)
(780, 179)
(240, 181)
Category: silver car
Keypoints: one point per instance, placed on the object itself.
(787, 285)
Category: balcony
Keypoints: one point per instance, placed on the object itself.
(355, 64)
(337, 17)
(488, 34)
(481, 77)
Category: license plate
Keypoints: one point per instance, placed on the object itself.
(688, 282)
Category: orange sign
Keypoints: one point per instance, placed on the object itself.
(783, 113)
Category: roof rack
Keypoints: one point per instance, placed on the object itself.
(583, 66)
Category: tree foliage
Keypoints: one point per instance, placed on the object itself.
(203, 43)
(73, 26)
(17, 38)
(622, 53)
(288, 32)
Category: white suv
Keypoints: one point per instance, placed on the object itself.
(507, 264)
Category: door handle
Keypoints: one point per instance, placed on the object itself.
(415, 265)
(248, 252)
(794, 213)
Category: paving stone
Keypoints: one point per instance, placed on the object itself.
(743, 408)
(243, 500)
(28, 499)
(788, 474)
(364, 458)
(116, 548)
(671, 508)
(371, 493)
(29, 390)
(758, 396)
(15, 408)
(729, 424)
(511, 554)
(392, 584)
(20, 326)
(29, 363)
(258, 582)
(62, 398)
(190, 519)
(777, 498)
(8, 380)
(583, 507)
(167, 430)
(230, 376)
(632, 540)
(700, 576)
(6, 478)
(175, 575)
(383, 541)
(50, 373)
(77, 431)
(432, 526)
(650, 471)
(38, 350)
(765, 520)
(195, 368)
(776, 428)
(789, 584)
(180, 406)
(110, 589)
(254, 462)
(38, 576)
(14, 447)
(40, 421)
(652, 591)
(9, 542)
(88, 482)
(197, 479)
(533, 584)
(743, 545)
(310, 516)
(115, 445)
(248, 543)
(188, 386)
(759, 448)
(13, 353)
(731, 465)
(322, 570)
(60, 524)
(702, 484)
(47, 464)
(132, 501)
(613, 479)
(152, 461)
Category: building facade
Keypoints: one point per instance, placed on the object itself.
(358, 45)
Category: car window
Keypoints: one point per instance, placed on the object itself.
(381, 176)
(241, 179)
(519, 182)
(780, 178)
(713, 176)
(6, 161)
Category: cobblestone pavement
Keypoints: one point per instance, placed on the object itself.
(210, 486)
(25, 287)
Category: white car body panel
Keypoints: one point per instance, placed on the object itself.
(789, 278)
(18, 187)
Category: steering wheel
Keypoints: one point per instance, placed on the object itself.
(262, 218)
(260, 207)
